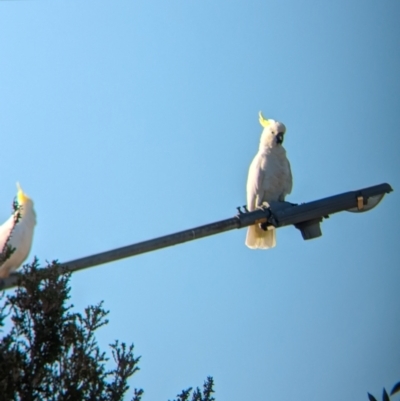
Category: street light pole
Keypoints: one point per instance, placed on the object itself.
(306, 217)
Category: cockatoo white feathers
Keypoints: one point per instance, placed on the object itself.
(269, 179)
(16, 235)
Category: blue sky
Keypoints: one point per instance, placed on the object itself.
(129, 120)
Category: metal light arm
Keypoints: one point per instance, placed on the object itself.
(305, 217)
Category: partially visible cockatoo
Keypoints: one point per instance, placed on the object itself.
(269, 179)
(17, 233)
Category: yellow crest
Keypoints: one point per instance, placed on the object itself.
(21, 196)
(262, 120)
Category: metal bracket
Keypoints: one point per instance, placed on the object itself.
(239, 209)
(360, 202)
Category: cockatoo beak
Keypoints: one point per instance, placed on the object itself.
(279, 138)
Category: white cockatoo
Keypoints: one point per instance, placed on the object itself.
(269, 179)
(17, 234)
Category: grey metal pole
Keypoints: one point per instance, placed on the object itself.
(147, 246)
(279, 214)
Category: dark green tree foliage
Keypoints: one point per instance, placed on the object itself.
(51, 352)
(385, 395)
(197, 395)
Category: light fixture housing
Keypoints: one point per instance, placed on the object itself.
(307, 216)
(369, 204)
